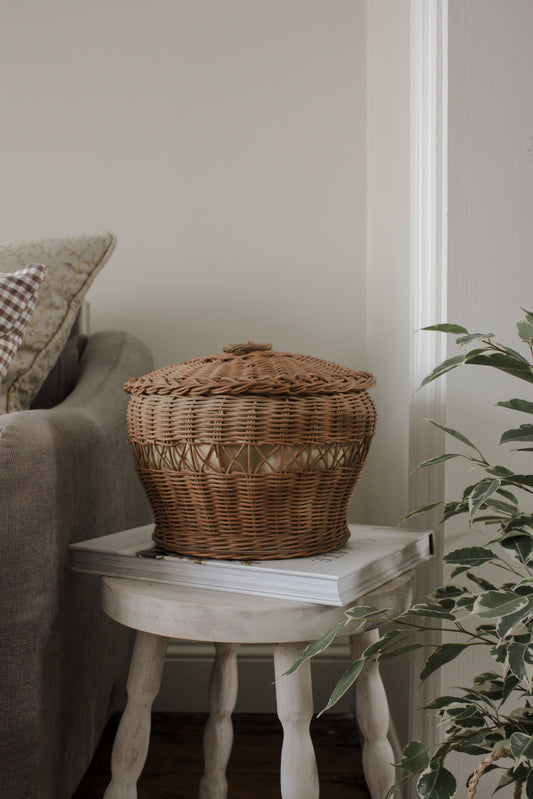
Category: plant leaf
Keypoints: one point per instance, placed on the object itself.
(488, 685)
(525, 328)
(459, 570)
(482, 491)
(465, 603)
(529, 785)
(362, 612)
(509, 684)
(512, 502)
(436, 782)
(518, 663)
(506, 623)
(462, 340)
(444, 701)
(439, 459)
(446, 327)
(506, 779)
(520, 545)
(422, 509)
(521, 479)
(523, 715)
(493, 604)
(499, 471)
(499, 652)
(470, 556)
(500, 509)
(517, 405)
(443, 368)
(455, 433)
(512, 364)
(513, 353)
(522, 433)
(469, 717)
(484, 584)
(442, 654)
(448, 591)
(345, 682)
(452, 509)
(415, 757)
(523, 522)
(315, 648)
(430, 610)
(521, 746)
(376, 647)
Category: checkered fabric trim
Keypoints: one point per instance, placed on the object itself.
(18, 295)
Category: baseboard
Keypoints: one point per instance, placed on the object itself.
(188, 664)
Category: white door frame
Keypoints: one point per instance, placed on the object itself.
(428, 276)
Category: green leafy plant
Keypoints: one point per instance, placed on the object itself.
(491, 719)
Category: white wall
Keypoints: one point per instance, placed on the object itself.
(388, 253)
(223, 142)
(490, 224)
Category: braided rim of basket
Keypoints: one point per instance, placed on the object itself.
(252, 369)
(483, 766)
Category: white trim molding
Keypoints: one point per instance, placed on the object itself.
(429, 96)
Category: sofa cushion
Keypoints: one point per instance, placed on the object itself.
(72, 265)
(18, 294)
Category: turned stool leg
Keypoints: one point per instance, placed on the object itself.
(133, 735)
(372, 712)
(218, 734)
(294, 699)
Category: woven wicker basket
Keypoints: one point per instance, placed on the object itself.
(250, 453)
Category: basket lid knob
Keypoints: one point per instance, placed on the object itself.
(244, 349)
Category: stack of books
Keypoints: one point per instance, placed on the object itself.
(371, 557)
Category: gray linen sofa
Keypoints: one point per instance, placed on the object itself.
(66, 474)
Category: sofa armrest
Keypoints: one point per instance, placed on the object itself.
(72, 463)
(66, 474)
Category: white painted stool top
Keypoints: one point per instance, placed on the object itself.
(196, 614)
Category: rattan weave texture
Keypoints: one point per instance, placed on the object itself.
(235, 467)
(239, 369)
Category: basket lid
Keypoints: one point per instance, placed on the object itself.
(252, 369)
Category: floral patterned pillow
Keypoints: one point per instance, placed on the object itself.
(72, 265)
(18, 294)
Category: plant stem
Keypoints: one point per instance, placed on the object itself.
(457, 628)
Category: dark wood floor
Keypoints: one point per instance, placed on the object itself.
(175, 761)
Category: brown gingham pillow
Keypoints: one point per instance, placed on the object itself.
(18, 294)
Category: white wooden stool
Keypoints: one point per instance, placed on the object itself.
(159, 612)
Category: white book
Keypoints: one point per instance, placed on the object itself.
(372, 556)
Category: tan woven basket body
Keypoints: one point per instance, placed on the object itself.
(250, 453)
